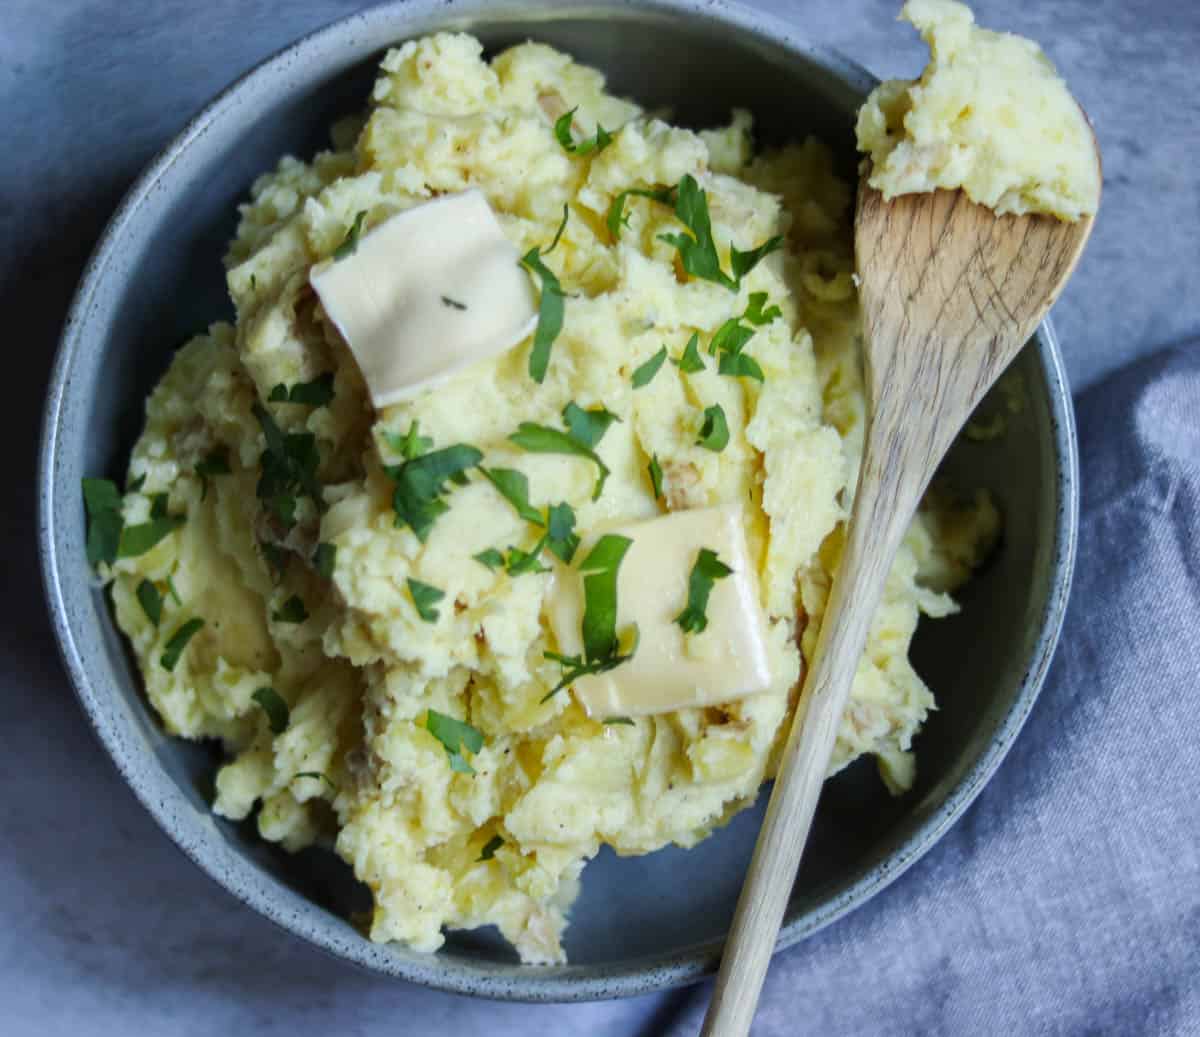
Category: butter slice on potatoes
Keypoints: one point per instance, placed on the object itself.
(670, 669)
(427, 293)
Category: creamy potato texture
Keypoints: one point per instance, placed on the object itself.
(989, 115)
(355, 767)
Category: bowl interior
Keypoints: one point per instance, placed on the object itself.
(158, 278)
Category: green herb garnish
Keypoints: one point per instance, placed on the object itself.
(215, 462)
(275, 708)
(425, 597)
(691, 361)
(541, 439)
(519, 561)
(150, 600)
(173, 592)
(135, 485)
(454, 735)
(316, 393)
(325, 559)
(755, 312)
(491, 558)
(292, 611)
(562, 132)
(644, 375)
(550, 312)
(410, 445)
(349, 243)
(137, 540)
(102, 500)
(656, 477)
(289, 468)
(513, 486)
(489, 849)
(561, 537)
(698, 250)
(705, 572)
(618, 218)
(454, 304)
(276, 557)
(421, 481)
(179, 641)
(714, 432)
(618, 720)
(587, 426)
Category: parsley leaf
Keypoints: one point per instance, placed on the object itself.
(617, 218)
(173, 592)
(292, 611)
(705, 572)
(698, 250)
(599, 571)
(102, 501)
(325, 559)
(454, 735)
(714, 433)
(562, 225)
(410, 445)
(453, 304)
(561, 537)
(541, 439)
(729, 341)
(587, 426)
(550, 313)
(740, 365)
(520, 561)
(275, 708)
(562, 132)
(425, 597)
(421, 481)
(135, 485)
(656, 477)
(150, 600)
(349, 243)
(691, 361)
(491, 558)
(179, 641)
(137, 540)
(618, 720)
(289, 468)
(489, 849)
(644, 375)
(513, 486)
(215, 462)
(316, 393)
(756, 314)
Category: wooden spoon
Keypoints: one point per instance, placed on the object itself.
(950, 293)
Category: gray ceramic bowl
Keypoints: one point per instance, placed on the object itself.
(641, 923)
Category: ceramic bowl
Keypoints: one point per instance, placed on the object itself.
(640, 923)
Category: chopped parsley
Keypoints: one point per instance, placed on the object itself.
(489, 849)
(316, 393)
(587, 426)
(644, 375)
(274, 707)
(289, 468)
(138, 539)
(550, 314)
(150, 600)
(714, 432)
(756, 314)
(411, 444)
(425, 597)
(215, 462)
(102, 501)
(513, 486)
(136, 484)
(421, 482)
(349, 243)
(618, 720)
(454, 736)
(519, 561)
(562, 132)
(324, 559)
(561, 537)
(707, 569)
(618, 218)
(173, 592)
(490, 558)
(453, 304)
(656, 477)
(292, 611)
(697, 249)
(691, 361)
(602, 650)
(179, 641)
(541, 439)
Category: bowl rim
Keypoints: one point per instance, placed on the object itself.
(294, 913)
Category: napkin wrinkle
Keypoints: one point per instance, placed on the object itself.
(1067, 899)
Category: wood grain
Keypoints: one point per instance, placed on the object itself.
(950, 293)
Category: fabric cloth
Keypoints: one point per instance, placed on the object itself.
(1067, 899)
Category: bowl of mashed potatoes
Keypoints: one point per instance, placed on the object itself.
(470, 667)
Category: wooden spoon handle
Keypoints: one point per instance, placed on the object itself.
(881, 514)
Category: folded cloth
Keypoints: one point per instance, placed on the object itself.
(1067, 899)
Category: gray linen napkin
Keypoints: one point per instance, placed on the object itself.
(1067, 899)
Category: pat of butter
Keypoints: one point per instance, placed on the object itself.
(426, 293)
(671, 669)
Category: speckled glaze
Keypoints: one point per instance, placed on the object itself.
(644, 923)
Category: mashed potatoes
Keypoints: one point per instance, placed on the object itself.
(315, 667)
(988, 115)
